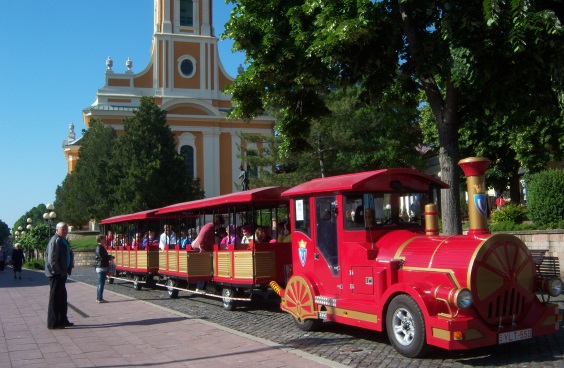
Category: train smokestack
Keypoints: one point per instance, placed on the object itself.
(475, 170)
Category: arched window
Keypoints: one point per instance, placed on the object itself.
(186, 13)
(188, 153)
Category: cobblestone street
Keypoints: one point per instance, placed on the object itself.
(350, 346)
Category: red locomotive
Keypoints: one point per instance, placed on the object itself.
(360, 259)
(365, 251)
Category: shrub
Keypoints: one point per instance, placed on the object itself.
(511, 226)
(545, 197)
(35, 264)
(510, 213)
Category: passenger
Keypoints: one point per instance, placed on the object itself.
(168, 237)
(284, 235)
(183, 239)
(260, 237)
(246, 231)
(149, 239)
(137, 242)
(231, 240)
(204, 240)
(110, 239)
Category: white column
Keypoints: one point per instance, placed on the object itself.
(235, 160)
(211, 162)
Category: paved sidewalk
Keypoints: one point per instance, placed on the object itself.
(122, 333)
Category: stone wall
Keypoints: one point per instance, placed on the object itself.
(84, 258)
(552, 240)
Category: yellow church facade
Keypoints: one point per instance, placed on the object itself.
(186, 78)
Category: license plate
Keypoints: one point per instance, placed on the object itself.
(518, 335)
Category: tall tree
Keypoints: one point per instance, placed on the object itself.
(86, 193)
(4, 232)
(355, 137)
(148, 171)
(299, 49)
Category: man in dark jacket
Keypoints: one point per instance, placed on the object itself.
(58, 264)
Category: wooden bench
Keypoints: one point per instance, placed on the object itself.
(547, 266)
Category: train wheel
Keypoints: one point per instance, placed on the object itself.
(299, 301)
(136, 282)
(311, 324)
(406, 326)
(172, 293)
(228, 304)
(110, 280)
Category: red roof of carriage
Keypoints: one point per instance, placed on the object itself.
(143, 215)
(386, 180)
(259, 197)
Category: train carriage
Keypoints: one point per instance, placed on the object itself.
(236, 272)
(367, 254)
(140, 266)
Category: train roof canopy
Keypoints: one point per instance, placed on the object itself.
(386, 180)
(143, 215)
(259, 198)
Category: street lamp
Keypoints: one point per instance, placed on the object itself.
(50, 217)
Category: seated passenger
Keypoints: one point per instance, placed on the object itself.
(110, 239)
(183, 241)
(260, 237)
(137, 242)
(231, 240)
(284, 235)
(167, 237)
(246, 231)
(149, 239)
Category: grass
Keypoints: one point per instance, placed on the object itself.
(84, 242)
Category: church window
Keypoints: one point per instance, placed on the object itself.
(186, 13)
(187, 153)
(186, 66)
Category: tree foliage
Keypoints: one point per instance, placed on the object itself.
(469, 59)
(148, 171)
(136, 171)
(355, 137)
(4, 232)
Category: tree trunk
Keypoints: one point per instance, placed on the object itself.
(445, 111)
(515, 188)
(321, 156)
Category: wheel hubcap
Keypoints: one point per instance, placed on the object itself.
(404, 328)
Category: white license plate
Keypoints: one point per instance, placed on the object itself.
(511, 336)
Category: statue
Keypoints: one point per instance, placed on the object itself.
(244, 177)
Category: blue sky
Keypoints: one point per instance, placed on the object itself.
(51, 65)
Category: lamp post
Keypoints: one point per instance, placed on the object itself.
(29, 227)
(49, 217)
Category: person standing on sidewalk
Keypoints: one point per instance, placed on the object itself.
(102, 264)
(18, 259)
(57, 267)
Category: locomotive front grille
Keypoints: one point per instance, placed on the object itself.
(508, 304)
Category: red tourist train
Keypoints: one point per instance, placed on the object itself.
(366, 251)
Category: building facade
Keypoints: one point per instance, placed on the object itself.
(186, 77)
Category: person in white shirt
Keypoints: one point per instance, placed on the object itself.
(167, 237)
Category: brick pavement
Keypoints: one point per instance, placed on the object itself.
(123, 333)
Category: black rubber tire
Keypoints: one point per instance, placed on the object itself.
(310, 324)
(136, 283)
(172, 293)
(406, 327)
(110, 280)
(228, 304)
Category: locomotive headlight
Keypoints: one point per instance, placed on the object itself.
(464, 299)
(552, 287)
(460, 298)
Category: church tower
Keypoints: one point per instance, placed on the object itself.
(186, 77)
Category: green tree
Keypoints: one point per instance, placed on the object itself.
(298, 50)
(36, 216)
(4, 232)
(85, 193)
(147, 170)
(355, 137)
(35, 241)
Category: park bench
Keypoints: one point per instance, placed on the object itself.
(547, 266)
